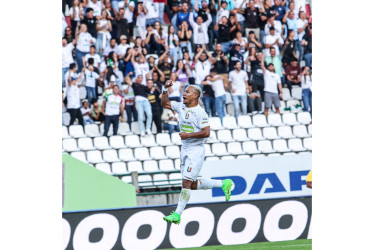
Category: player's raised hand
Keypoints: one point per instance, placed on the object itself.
(183, 135)
(168, 84)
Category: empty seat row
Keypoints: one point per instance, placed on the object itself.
(156, 180)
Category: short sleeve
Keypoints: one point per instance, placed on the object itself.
(245, 76)
(175, 106)
(113, 78)
(204, 121)
(230, 77)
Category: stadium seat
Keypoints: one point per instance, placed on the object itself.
(126, 179)
(110, 155)
(119, 168)
(175, 178)
(80, 155)
(101, 142)
(282, 106)
(270, 133)
(153, 128)
(235, 148)
(176, 139)
(286, 94)
(230, 110)
(275, 120)
(259, 120)
(304, 118)
(157, 153)
(142, 154)
(177, 163)
(145, 181)
(285, 132)
(296, 93)
(227, 157)
(116, 142)
(110, 131)
(280, 145)
(135, 166)
(255, 134)
(289, 119)
(240, 134)
(224, 135)
(258, 155)
(163, 139)
(212, 158)
(242, 157)
(76, 131)
(213, 137)
(105, 167)
(219, 149)
(150, 166)
(94, 156)
(244, 121)
(274, 154)
(290, 153)
(215, 123)
(300, 131)
(123, 128)
(92, 130)
(229, 122)
(307, 142)
(292, 104)
(265, 147)
(228, 97)
(126, 154)
(208, 151)
(160, 179)
(310, 129)
(65, 133)
(166, 165)
(65, 118)
(132, 141)
(148, 141)
(82, 93)
(295, 145)
(70, 145)
(135, 128)
(85, 144)
(173, 152)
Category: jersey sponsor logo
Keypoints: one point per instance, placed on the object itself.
(187, 114)
(186, 128)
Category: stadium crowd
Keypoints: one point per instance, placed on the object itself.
(125, 51)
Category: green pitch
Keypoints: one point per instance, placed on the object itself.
(284, 245)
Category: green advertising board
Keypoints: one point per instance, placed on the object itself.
(87, 188)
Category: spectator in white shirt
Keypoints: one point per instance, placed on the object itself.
(96, 5)
(306, 85)
(113, 109)
(140, 21)
(272, 40)
(140, 65)
(112, 46)
(73, 101)
(272, 83)
(171, 121)
(176, 89)
(85, 40)
(152, 14)
(302, 24)
(67, 57)
(121, 52)
(203, 64)
(103, 27)
(129, 8)
(171, 40)
(94, 56)
(200, 29)
(238, 80)
(273, 23)
(86, 112)
(91, 78)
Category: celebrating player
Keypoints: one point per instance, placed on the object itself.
(194, 124)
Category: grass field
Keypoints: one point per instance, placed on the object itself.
(292, 244)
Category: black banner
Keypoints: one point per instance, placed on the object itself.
(206, 224)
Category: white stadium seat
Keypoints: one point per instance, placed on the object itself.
(213, 137)
(76, 131)
(304, 118)
(135, 166)
(145, 180)
(289, 119)
(295, 145)
(92, 130)
(166, 165)
(135, 128)
(80, 155)
(132, 141)
(280, 145)
(116, 141)
(157, 153)
(235, 148)
(176, 139)
(94, 157)
(219, 149)
(275, 120)
(292, 104)
(307, 143)
(215, 123)
(240, 134)
(104, 167)
(244, 121)
(255, 134)
(230, 110)
(148, 141)
(208, 151)
(163, 139)
(175, 178)
(274, 154)
(85, 144)
(173, 152)
(101, 142)
(126, 179)
(150, 166)
(228, 157)
(259, 120)
(177, 163)
(160, 179)
(300, 131)
(270, 133)
(229, 122)
(65, 133)
(224, 135)
(290, 153)
(281, 108)
(82, 93)
(70, 145)
(212, 158)
(126, 154)
(110, 131)
(310, 129)
(242, 157)
(285, 132)
(258, 156)
(110, 155)
(286, 94)
(296, 93)
(119, 168)
(123, 128)
(265, 147)
(65, 118)
(142, 154)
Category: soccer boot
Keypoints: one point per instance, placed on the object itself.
(226, 187)
(173, 218)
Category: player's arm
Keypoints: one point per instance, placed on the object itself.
(204, 133)
(165, 102)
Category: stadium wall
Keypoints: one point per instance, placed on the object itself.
(230, 223)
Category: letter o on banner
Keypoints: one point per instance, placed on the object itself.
(66, 230)
(250, 213)
(204, 217)
(110, 227)
(129, 238)
(299, 214)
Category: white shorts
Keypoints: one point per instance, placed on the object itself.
(192, 159)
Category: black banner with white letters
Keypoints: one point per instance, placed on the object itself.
(206, 224)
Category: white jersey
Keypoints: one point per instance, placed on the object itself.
(191, 120)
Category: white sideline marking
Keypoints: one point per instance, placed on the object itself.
(276, 246)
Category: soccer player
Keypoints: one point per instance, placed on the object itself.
(195, 130)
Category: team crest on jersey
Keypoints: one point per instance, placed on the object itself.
(187, 114)
(189, 169)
